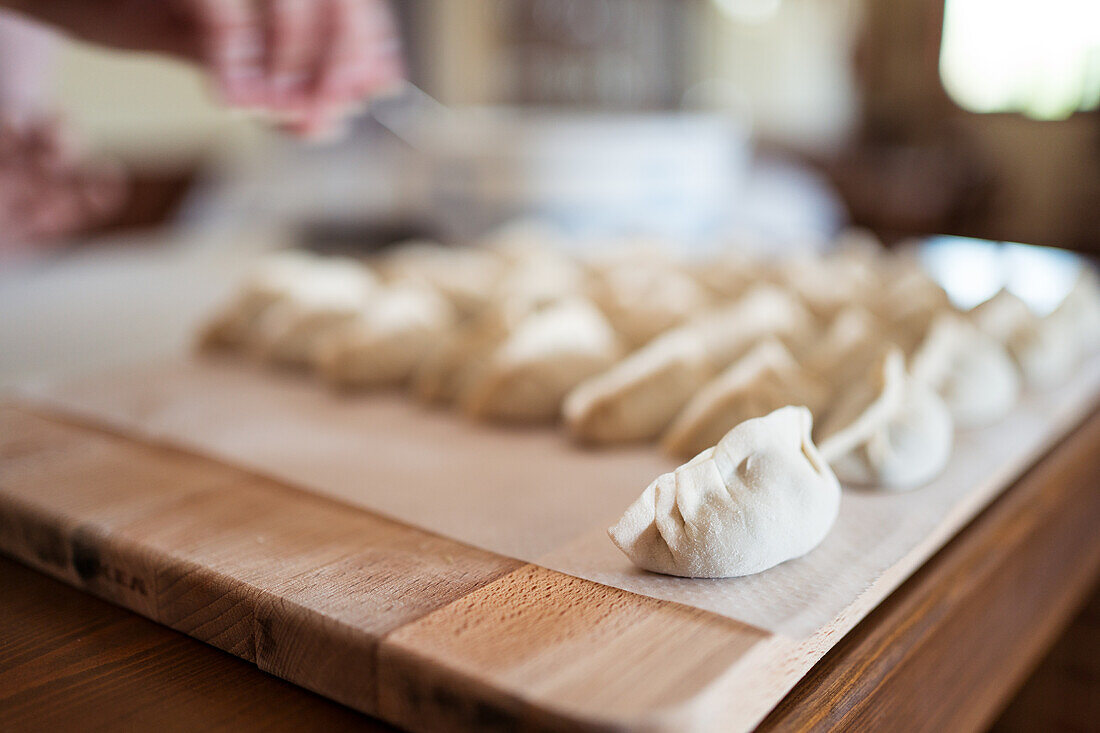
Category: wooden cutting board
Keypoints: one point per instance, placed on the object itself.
(431, 634)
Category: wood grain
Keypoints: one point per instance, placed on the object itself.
(971, 624)
(71, 662)
(1064, 691)
(300, 586)
(434, 635)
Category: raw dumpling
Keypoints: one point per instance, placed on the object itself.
(466, 276)
(549, 353)
(765, 310)
(827, 284)
(763, 380)
(763, 495)
(643, 297)
(730, 274)
(910, 301)
(1081, 310)
(271, 281)
(322, 296)
(1047, 350)
(540, 277)
(639, 396)
(890, 431)
(385, 343)
(455, 362)
(850, 344)
(970, 370)
(1002, 315)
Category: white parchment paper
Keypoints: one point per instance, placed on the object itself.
(530, 494)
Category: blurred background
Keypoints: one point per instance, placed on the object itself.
(702, 121)
(691, 118)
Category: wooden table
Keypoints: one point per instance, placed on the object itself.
(946, 650)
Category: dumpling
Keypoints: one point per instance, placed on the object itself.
(645, 296)
(540, 277)
(272, 280)
(827, 284)
(763, 380)
(730, 274)
(466, 276)
(324, 295)
(765, 310)
(850, 344)
(456, 361)
(639, 396)
(763, 495)
(385, 343)
(550, 352)
(909, 302)
(1002, 315)
(1047, 350)
(1081, 309)
(890, 431)
(970, 370)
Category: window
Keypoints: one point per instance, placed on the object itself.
(1038, 57)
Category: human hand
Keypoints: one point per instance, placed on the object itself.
(305, 62)
(48, 189)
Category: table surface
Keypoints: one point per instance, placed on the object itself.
(948, 648)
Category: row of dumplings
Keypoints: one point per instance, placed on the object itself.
(708, 358)
(766, 492)
(634, 345)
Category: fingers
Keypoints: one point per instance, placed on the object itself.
(362, 55)
(308, 61)
(231, 44)
(293, 48)
(48, 189)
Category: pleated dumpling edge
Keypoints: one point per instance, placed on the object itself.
(763, 495)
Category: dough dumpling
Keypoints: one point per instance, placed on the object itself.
(1046, 350)
(272, 280)
(827, 284)
(1002, 315)
(763, 495)
(765, 310)
(385, 343)
(1049, 349)
(451, 365)
(970, 370)
(644, 297)
(324, 295)
(639, 396)
(466, 276)
(730, 274)
(1081, 311)
(888, 431)
(850, 344)
(549, 353)
(538, 278)
(910, 301)
(763, 380)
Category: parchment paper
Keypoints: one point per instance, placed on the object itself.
(530, 494)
